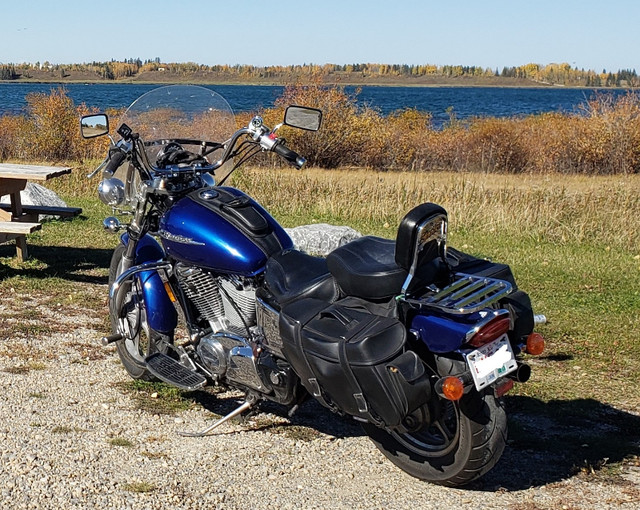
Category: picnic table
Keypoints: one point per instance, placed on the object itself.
(16, 220)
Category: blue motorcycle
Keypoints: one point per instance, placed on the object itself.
(416, 341)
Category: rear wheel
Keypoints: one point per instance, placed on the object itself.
(464, 440)
(140, 339)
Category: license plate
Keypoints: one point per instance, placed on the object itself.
(491, 361)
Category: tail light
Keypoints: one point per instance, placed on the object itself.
(493, 329)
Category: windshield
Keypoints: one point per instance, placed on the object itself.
(184, 113)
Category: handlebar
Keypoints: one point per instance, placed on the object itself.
(256, 130)
(291, 156)
(115, 160)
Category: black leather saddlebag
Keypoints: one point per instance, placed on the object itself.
(352, 361)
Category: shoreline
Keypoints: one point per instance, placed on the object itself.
(327, 84)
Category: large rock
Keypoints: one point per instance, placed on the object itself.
(35, 194)
(321, 238)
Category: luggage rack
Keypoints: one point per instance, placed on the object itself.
(467, 294)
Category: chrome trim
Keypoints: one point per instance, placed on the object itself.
(178, 238)
(428, 230)
(267, 318)
(468, 294)
(486, 320)
(117, 287)
(141, 268)
(112, 224)
(240, 360)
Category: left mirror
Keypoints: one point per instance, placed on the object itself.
(94, 125)
(303, 117)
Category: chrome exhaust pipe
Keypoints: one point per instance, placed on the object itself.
(521, 374)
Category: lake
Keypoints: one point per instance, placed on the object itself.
(465, 102)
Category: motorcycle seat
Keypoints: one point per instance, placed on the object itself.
(367, 268)
(291, 275)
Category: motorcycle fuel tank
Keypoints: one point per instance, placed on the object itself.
(222, 229)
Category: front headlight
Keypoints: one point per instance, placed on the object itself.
(111, 191)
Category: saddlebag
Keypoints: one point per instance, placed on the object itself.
(352, 361)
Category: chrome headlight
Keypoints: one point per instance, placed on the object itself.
(111, 191)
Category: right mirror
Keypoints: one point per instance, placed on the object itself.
(303, 117)
(94, 125)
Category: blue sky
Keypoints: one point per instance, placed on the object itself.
(489, 33)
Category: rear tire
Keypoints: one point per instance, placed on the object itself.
(463, 442)
(143, 340)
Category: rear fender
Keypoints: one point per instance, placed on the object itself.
(161, 314)
(439, 334)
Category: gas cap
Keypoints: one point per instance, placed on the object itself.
(208, 194)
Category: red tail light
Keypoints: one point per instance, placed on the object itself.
(490, 331)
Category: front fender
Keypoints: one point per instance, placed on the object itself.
(161, 314)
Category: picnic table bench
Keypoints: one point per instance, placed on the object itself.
(16, 220)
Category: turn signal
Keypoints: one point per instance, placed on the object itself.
(169, 290)
(535, 344)
(452, 388)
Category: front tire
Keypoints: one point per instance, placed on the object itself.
(464, 440)
(141, 340)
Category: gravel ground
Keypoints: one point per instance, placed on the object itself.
(72, 438)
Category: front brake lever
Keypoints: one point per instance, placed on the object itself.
(102, 165)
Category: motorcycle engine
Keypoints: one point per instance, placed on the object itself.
(228, 304)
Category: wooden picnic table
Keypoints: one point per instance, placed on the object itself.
(16, 220)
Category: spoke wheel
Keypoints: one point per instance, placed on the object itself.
(140, 340)
(462, 442)
(440, 438)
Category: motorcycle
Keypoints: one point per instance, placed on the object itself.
(413, 339)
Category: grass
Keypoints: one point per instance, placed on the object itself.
(156, 397)
(121, 441)
(140, 487)
(573, 243)
(24, 369)
(65, 429)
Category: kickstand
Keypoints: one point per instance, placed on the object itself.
(246, 405)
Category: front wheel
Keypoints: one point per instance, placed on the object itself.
(464, 440)
(140, 339)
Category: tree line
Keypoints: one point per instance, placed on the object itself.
(550, 74)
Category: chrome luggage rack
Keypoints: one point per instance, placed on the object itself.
(467, 294)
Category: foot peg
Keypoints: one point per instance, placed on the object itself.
(106, 340)
(246, 405)
(170, 371)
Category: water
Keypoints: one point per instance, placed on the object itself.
(464, 102)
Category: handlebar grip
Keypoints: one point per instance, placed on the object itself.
(291, 156)
(115, 160)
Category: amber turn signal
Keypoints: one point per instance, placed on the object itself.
(170, 293)
(452, 388)
(535, 344)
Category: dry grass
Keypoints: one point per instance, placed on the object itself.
(554, 208)
(572, 241)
